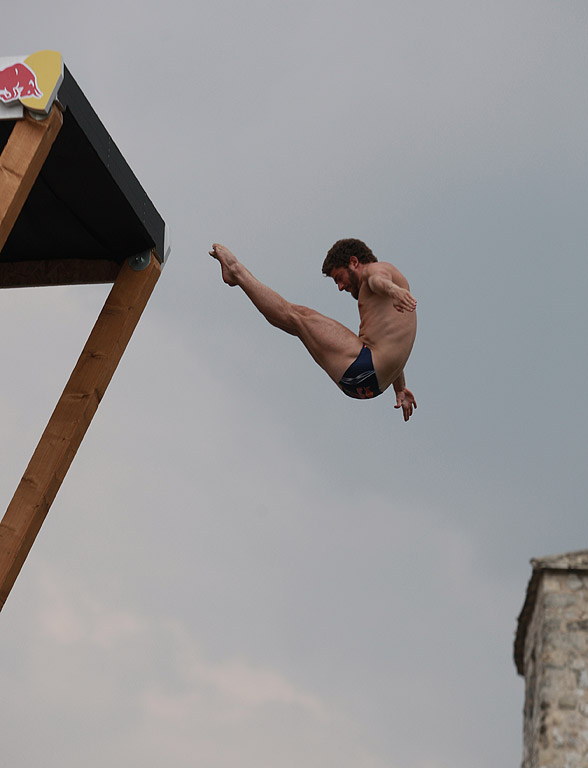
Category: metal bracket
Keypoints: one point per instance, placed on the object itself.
(141, 261)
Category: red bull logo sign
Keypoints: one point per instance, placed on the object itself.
(30, 81)
(16, 81)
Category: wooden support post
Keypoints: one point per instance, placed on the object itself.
(20, 162)
(71, 418)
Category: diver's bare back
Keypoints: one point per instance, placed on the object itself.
(386, 330)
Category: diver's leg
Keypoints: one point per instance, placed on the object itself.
(333, 346)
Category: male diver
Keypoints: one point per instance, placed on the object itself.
(363, 365)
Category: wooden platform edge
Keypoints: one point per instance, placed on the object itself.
(71, 418)
(53, 272)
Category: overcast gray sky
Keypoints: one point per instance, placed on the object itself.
(244, 567)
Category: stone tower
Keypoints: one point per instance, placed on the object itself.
(551, 652)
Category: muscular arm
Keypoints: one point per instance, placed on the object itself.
(400, 383)
(404, 397)
(384, 286)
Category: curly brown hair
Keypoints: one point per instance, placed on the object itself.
(340, 254)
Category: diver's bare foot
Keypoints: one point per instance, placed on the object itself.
(227, 261)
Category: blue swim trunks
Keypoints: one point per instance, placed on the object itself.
(359, 380)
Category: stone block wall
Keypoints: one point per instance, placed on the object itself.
(551, 651)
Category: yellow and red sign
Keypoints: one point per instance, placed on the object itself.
(31, 81)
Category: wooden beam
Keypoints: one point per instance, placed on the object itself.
(71, 418)
(45, 272)
(20, 162)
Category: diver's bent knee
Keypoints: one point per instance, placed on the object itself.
(299, 316)
(300, 312)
